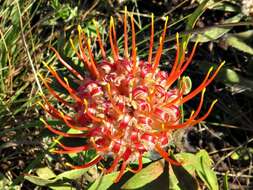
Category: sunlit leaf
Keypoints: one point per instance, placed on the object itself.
(45, 173)
(193, 19)
(245, 35)
(104, 182)
(5, 184)
(223, 6)
(72, 174)
(239, 44)
(232, 76)
(173, 182)
(216, 32)
(205, 172)
(225, 182)
(39, 181)
(189, 161)
(182, 177)
(58, 182)
(145, 176)
(193, 164)
(237, 83)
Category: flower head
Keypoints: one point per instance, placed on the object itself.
(247, 7)
(125, 107)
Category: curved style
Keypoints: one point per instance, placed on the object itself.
(125, 107)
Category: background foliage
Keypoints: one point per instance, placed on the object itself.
(225, 31)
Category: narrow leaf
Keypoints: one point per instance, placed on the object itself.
(39, 181)
(239, 44)
(45, 173)
(216, 32)
(206, 174)
(72, 174)
(145, 176)
(104, 182)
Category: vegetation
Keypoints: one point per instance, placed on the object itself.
(217, 152)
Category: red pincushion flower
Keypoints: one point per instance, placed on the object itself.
(125, 107)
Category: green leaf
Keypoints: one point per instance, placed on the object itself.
(239, 44)
(45, 173)
(58, 182)
(72, 174)
(39, 181)
(104, 182)
(199, 164)
(182, 177)
(232, 76)
(205, 172)
(196, 14)
(240, 85)
(173, 182)
(192, 21)
(49, 183)
(55, 4)
(245, 35)
(145, 176)
(65, 186)
(189, 160)
(226, 7)
(216, 32)
(225, 182)
(15, 16)
(144, 161)
(5, 184)
(223, 6)
(185, 174)
(3, 181)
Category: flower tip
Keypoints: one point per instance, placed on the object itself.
(79, 28)
(39, 102)
(85, 102)
(213, 103)
(51, 150)
(69, 165)
(40, 76)
(108, 87)
(47, 66)
(132, 17)
(166, 20)
(52, 48)
(66, 80)
(56, 141)
(94, 22)
(111, 21)
(88, 42)
(41, 95)
(62, 114)
(42, 120)
(222, 63)
(210, 70)
(72, 44)
(44, 63)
